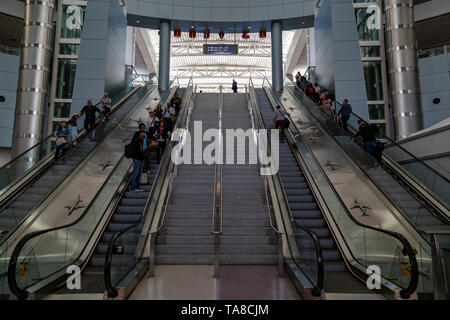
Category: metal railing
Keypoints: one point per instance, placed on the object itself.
(274, 229)
(217, 220)
(159, 230)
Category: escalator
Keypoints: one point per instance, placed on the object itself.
(306, 212)
(419, 192)
(36, 185)
(348, 247)
(82, 242)
(419, 195)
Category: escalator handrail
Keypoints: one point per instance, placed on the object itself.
(80, 135)
(110, 288)
(318, 287)
(319, 258)
(404, 293)
(13, 286)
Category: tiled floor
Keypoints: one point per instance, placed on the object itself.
(177, 282)
(251, 282)
(197, 282)
(350, 296)
(81, 296)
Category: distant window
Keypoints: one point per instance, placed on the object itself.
(66, 77)
(372, 76)
(69, 49)
(61, 110)
(370, 52)
(376, 111)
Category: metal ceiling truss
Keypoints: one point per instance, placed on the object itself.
(254, 58)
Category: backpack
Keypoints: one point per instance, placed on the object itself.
(310, 90)
(129, 150)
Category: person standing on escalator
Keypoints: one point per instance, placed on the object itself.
(344, 113)
(368, 134)
(89, 121)
(138, 154)
(105, 101)
(279, 121)
(63, 140)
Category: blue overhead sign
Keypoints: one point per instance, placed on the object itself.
(224, 49)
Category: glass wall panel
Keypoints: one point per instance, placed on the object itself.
(372, 75)
(370, 52)
(72, 21)
(376, 111)
(62, 110)
(69, 49)
(382, 127)
(66, 77)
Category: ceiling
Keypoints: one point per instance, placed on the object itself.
(426, 34)
(253, 60)
(11, 30)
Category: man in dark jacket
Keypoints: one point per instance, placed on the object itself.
(344, 113)
(368, 135)
(89, 121)
(139, 153)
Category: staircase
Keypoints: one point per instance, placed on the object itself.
(306, 212)
(247, 234)
(186, 236)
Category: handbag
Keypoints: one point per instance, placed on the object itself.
(61, 141)
(173, 118)
(286, 123)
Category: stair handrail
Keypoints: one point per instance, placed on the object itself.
(407, 248)
(275, 230)
(110, 288)
(217, 218)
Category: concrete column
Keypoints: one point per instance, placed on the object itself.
(164, 55)
(34, 71)
(277, 56)
(403, 66)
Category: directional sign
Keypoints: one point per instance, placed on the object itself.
(221, 49)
